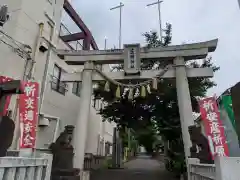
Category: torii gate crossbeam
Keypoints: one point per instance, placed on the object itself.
(178, 55)
(116, 56)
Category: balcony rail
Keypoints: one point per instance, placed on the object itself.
(76, 45)
(199, 171)
(21, 168)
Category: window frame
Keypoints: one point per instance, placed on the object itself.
(56, 83)
(78, 89)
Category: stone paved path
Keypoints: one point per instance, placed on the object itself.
(142, 168)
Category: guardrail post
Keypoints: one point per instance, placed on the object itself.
(49, 158)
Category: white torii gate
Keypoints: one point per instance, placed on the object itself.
(178, 55)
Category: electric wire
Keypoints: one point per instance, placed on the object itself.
(19, 50)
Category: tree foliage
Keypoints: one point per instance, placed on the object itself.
(158, 112)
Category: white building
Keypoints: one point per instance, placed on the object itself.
(60, 100)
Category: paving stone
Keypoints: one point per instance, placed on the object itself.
(141, 168)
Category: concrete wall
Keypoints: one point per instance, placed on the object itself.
(23, 26)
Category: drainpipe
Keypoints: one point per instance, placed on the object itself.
(35, 52)
(45, 74)
(25, 76)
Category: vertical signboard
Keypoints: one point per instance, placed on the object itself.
(8, 98)
(132, 58)
(213, 127)
(28, 114)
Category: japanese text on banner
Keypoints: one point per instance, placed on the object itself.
(28, 112)
(213, 127)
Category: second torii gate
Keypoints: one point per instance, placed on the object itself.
(131, 56)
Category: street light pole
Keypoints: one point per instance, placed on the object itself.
(159, 16)
(120, 22)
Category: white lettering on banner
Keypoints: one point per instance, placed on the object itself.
(28, 140)
(217, 139)
(208, 105)
(220, 151)
(29, 115)
(28, 127)
(29, 103)
(212, 116)
(214, 126)
(30, 90)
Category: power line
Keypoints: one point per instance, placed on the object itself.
(22, 50)
(19, 51)
(13, 40)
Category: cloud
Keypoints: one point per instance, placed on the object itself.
(192, 21)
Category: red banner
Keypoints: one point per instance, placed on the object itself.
(8, 99)
(213, 127)
(28, 114)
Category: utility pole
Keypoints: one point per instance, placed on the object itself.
(159, 16)
(120, 23)
(105, 43)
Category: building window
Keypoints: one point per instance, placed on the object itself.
(56, 83)
(77, 88)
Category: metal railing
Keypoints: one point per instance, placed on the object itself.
(93, 162)
(76, 45)
(22, 168)
(199, 171)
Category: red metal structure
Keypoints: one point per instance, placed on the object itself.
(85, 34)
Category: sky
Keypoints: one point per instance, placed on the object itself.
(192, 21)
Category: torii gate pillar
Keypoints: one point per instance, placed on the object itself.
(184, 102)
(80, 131)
